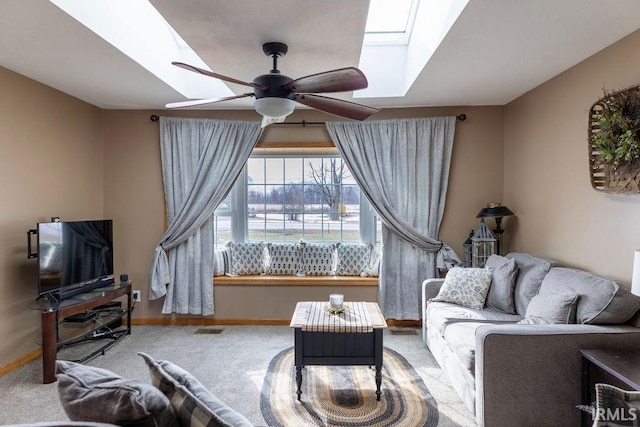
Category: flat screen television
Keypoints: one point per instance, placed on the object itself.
(74, 257)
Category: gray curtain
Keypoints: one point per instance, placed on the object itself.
(201, 159)
(402, 167)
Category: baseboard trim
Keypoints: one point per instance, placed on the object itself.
(404, 323)
(199, 321)
(20, 362)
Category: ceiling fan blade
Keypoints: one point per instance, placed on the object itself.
(338, 107)
(341, 80)
(216, 75)
(194, 102)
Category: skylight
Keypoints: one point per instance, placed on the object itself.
(401, 37)
(138, 30)
(390, 22)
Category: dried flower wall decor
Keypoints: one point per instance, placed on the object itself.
(614, 142)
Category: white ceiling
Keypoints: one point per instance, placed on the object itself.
(496, 51)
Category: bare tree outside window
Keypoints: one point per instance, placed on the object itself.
(293, 201)
(297, 197)
(329, 177)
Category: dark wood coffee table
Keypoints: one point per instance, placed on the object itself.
(326, 344)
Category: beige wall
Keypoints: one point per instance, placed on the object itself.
(546, 178)
(51, 165)
(63, 157)
(134, 195)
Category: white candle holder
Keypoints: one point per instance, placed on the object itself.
(336, 301)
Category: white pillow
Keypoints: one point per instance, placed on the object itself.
(467, 287)
(284, 258)
(318, 259)
(246, 258)
(222, 262)
(373, 270)
(353, 259)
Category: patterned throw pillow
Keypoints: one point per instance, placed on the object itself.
(194, 405)
(467, 287)
(246, 258)
(318, 259)
(284, 258)
(222, 262)
(353, 259)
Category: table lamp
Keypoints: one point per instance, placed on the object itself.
(497, 211)
(635, 282)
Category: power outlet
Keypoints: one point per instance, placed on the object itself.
(136, 296)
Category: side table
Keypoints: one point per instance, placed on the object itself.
(620, 368)
(337, 347)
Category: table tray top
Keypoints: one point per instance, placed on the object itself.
(360, 317)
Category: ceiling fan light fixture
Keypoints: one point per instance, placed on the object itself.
(274, 107)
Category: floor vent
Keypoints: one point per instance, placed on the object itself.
(208, 331)
(403, 331)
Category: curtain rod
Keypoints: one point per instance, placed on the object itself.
(155, 118)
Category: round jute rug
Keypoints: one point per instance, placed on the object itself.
(346, 395)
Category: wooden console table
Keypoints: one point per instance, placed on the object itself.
(53, 313)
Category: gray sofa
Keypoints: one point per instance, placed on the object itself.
(514, 363)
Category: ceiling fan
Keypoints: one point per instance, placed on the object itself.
(275, 93)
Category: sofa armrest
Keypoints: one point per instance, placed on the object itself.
(430, 289)
(531, 374)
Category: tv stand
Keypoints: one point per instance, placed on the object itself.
(53, 312)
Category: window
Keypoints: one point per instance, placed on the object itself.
(390, 22)
(285, 198)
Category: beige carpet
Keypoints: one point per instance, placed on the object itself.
(232, 364)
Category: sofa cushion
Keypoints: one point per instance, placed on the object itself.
(503, 282)
(461, 339)
(556, 308)
(247, 258)
(284, 258)
(441, 314)
(467, 287)
(318, 259)
(353, 259)
(601, 301)
(94, 394)
(531, 271)
(193, 403)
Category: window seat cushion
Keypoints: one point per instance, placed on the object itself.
(267, 280)
(302, 258)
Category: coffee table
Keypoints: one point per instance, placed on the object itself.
(350, 338)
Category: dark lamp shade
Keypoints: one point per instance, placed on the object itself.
(497, 211)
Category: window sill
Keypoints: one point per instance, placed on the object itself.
(295, 281)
